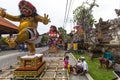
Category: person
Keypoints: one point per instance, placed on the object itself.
(116, 78)
(81, 67)
(66, 63)
(84, 66)
(106, 59)
(25, 47)
(76, 69)
(28, 25)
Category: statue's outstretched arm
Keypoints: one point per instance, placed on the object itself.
(8, 16)
(45, 20)
(13, 18)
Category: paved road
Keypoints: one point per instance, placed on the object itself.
(9, 57)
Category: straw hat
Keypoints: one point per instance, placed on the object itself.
(82, 57)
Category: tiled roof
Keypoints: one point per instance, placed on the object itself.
(7, 27)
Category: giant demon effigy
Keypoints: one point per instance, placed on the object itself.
(32, 64)
(28, 25)
(53, 38)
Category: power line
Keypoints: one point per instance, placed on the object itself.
(65, 14)
(67, 11)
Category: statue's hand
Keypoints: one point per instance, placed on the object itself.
(46, 19)
(2, 12)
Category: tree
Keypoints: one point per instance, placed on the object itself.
(83, 16)
(45, 38)
(62, 33)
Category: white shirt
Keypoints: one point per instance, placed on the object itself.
(85, 65)
(79, 64)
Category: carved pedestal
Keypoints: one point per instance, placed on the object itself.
(30, 66)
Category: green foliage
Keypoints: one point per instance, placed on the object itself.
(2, 41)
(44, 38)
(63, 33)
(94, 70)
(83, 14)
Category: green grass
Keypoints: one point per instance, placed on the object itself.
(94, 70)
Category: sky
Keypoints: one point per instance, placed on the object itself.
(56, 11)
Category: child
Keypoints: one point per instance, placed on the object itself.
(66, 63)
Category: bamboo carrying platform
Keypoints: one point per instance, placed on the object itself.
(54, 67)
(53, 49)
(55, 71)
(30, 66)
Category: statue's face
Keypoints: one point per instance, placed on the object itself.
(26, 10)
(51, 28)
